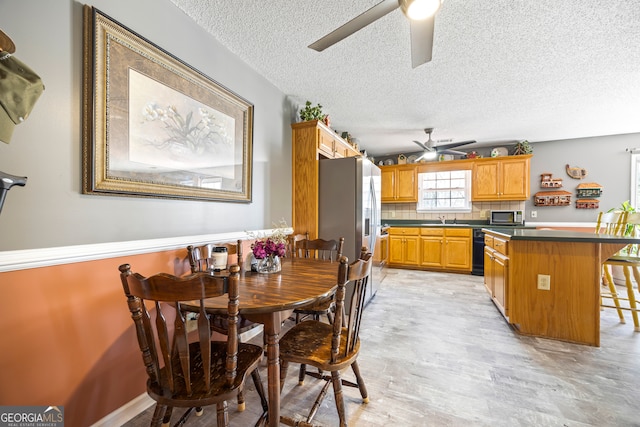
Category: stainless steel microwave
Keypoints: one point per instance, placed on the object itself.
(506, 218)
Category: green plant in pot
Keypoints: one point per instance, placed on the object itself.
(630, 230)
(309, 112)
(522, 147)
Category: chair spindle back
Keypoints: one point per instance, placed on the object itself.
(168, 293)
(357, 272)
(200, 256)
(325, 250)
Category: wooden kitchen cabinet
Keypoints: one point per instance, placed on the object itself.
(501, 178)
(381, 251)
(404, 246)
(431, 243)
(458, 249)
(311, 141)
(431, 248)
(399, 184)
(446, 248)
(496, 272)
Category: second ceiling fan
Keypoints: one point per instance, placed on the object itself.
(421, 14)
(431, 150)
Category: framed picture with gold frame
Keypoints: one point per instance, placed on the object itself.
(154, 126)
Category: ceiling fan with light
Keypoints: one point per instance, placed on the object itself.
(431, 150)
(421, 14)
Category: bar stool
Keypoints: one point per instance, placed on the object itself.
(629, 260)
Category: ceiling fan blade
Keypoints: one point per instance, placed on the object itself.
(357, 23)
(421, 41)
(459, 153)
(424, 147)
(454, 145)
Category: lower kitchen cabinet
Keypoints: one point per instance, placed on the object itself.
(496, 272)
(404, 246)
(446, 248)
(431, 248)
(431, 243)
(457, 249)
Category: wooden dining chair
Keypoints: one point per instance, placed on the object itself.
(324, 250)
(183, 371)
(294, 247)
(629, 260)
(200, 257)
(331, 347)
(200, 260)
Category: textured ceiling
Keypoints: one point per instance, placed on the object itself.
(502, 70)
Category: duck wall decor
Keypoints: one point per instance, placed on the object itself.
(576, 172)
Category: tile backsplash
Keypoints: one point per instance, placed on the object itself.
(408, 211)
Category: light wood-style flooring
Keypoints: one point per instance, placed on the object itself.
(436, 352)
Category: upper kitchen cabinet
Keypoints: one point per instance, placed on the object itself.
(311, 141)
(320, 139)
(399, 184)
(503, 178)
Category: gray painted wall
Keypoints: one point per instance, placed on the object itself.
(50, 210)
(606, 161)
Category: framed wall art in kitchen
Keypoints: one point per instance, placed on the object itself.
(155, 127)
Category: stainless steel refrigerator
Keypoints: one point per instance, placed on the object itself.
(349, 207)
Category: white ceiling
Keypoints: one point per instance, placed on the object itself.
(502, 70)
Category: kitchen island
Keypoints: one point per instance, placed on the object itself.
(547, 282)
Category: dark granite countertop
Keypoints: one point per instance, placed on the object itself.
(558, 235)
(449, 224)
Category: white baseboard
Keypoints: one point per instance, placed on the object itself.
(126, 412)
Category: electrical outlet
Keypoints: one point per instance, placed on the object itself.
(544, 282)
(534, 214)
(483, 213)
(393, 214)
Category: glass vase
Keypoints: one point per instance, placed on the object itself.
(269, 264)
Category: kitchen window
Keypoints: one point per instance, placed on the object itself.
(444, 191)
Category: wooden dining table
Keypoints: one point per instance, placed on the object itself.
(269, 298)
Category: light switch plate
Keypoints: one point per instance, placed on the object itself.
(544, 282)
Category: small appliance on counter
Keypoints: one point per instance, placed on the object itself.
(506, 217)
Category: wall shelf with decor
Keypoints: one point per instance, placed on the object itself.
(552, 198)
(548, 181)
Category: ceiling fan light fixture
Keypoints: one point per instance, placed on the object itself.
(428, 155)
(418, 10)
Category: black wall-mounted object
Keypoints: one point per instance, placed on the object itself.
(6, 182)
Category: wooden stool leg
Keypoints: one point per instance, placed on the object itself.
(301, 375)
(222, 415)
(360, 381)
(158, 415)
(255, 375)
(330, 317)
(241, 404)
(632, 296)
(614, 293)
(284, 365)
(337, 392)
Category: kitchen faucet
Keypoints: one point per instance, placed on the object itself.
(442, 219)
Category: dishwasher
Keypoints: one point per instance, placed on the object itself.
(477, 266)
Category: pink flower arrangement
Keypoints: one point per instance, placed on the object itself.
(264, 248)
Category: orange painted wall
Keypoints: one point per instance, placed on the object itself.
(68, 338)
